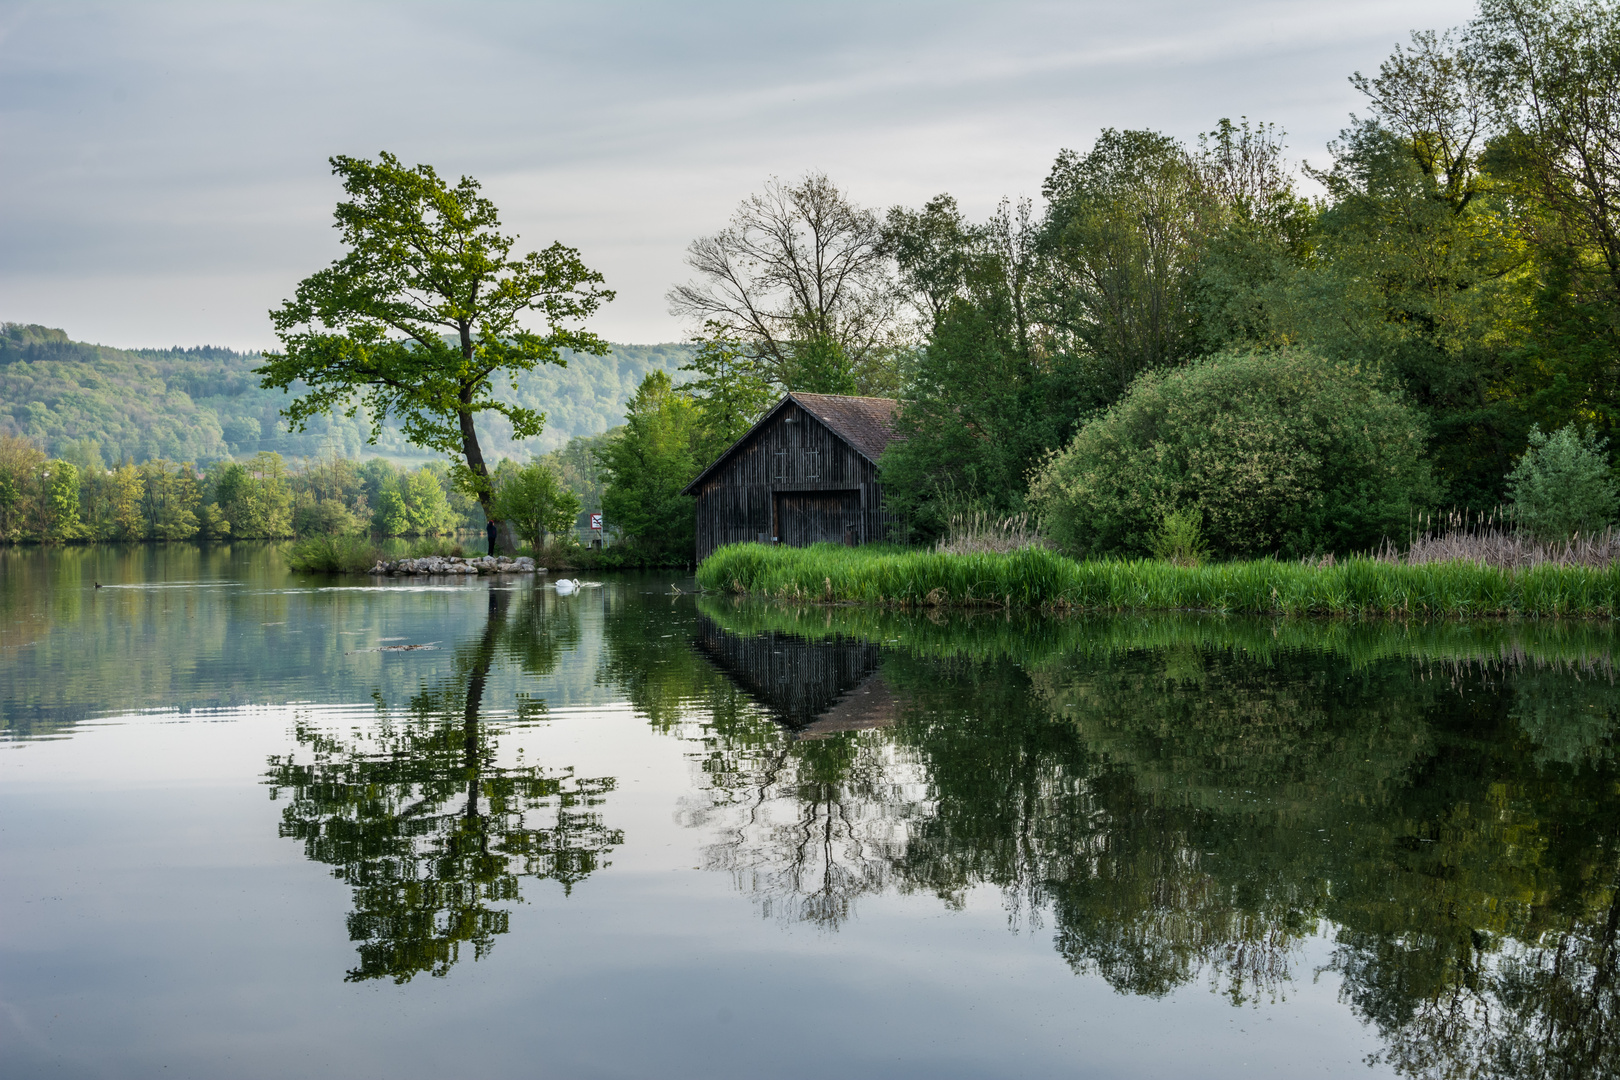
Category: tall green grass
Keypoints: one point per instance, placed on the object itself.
(1035, 578)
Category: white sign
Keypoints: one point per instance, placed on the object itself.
(596, 522)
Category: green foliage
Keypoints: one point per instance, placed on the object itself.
(333, 553)
(425, 260)
(1563, 485)
(534, 500)
(171, 497)
(326, 517)
(579, 467)
(981, 407)
(1125, 225)
(1040, 579)
(62, 501)
(646, 467)
(1180, 539)
(1278, 452)
(425, 503)
(255, 497)
(731, 387)
(391, 518)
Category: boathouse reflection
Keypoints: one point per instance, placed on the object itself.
(811, 815)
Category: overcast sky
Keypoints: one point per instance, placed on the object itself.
(164, 175)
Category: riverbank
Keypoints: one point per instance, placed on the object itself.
(1044, 580)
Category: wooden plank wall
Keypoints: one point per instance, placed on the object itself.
(794, 479)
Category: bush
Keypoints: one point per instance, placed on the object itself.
(1278, 452)
(333, 555)
(1563, 485)
(1180, 538)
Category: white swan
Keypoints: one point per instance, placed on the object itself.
(564, 586)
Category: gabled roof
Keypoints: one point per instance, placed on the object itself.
(866, 423)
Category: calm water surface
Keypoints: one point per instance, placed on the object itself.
(259, 824)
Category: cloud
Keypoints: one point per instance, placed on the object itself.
(165, 164)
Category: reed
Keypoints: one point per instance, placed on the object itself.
(1494, 540)
(978, 533)
(1041, 579)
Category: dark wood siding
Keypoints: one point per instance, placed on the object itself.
(795, 480)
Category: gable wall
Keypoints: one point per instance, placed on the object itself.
(794, 452)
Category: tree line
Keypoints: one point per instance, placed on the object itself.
(1180, 329)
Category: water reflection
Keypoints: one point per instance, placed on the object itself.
(1192, 801)
(424, 823)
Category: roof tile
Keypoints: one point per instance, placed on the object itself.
(866, 423)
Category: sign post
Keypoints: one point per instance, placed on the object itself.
(596, 527)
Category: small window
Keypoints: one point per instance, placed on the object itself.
(781, 465)
(812, 465)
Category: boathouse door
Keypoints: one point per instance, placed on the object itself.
(811, 517)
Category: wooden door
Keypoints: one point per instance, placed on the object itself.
(810, 517)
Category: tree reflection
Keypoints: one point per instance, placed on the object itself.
(424, 823)
(1186, 807)
(805, 826)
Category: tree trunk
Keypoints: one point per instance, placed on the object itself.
(505, 538)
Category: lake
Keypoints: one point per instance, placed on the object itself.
(254, 823)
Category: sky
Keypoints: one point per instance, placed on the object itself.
(164, 175)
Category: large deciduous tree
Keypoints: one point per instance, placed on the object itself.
(803, 276)
(647, 463)
(427, 305)
(1126, 224)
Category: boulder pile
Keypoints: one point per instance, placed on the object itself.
(450, 564)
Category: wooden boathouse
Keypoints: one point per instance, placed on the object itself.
(807, 472)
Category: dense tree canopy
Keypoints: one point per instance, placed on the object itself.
(1463, 246)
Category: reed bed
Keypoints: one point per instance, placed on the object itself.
(1492, 540)
(1045, 580)
(980, 533)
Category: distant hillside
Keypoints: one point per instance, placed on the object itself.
(203, 404)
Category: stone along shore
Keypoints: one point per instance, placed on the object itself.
(450, 564)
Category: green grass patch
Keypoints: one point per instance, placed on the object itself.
(1044, 580)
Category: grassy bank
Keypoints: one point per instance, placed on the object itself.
(1035, 578)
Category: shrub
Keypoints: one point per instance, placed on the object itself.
(1180, 538)
(333, 555)
(1563, 485)
(1277, 452)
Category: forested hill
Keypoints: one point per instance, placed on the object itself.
(203, 404)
